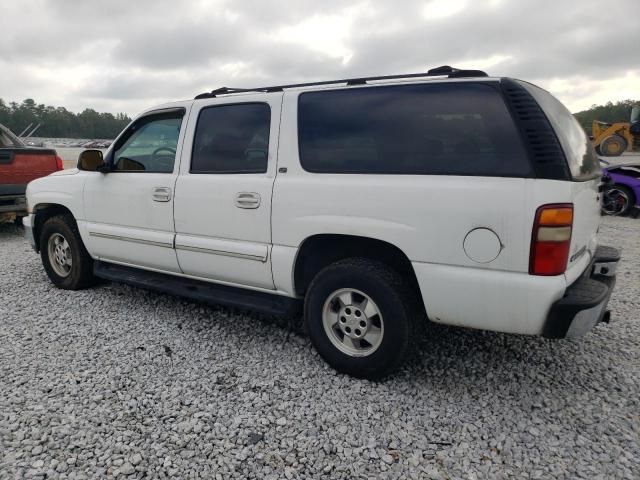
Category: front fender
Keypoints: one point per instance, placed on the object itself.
(53, 195)
(63, 190)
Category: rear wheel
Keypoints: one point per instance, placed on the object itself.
(617, 200)
(613, 146)
(360, 316)
(65, 259)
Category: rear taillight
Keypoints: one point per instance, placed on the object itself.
(551, 239)
(59, 164)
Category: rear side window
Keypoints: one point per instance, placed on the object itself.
(442, 128)
(232, 139)
(580, 154)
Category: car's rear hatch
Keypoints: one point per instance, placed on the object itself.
(582, 179)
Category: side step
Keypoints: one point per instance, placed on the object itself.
(210, 293)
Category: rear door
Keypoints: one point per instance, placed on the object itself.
(223, 193)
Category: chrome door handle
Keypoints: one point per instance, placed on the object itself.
(161, 194)
(247, 200)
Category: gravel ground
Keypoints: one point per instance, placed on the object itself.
(117, 381)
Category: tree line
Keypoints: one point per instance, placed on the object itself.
(58, 122)
(609, 112)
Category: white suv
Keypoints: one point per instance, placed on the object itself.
(376, 202)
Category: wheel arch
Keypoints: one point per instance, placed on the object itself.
(319, 251)
(43, 212)
(636, 191)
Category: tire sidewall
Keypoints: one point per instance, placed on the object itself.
(393, 309)
(631, 200)
(618, 140)
(60, 226)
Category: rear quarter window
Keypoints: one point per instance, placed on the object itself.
(578, 150)
(443, 128)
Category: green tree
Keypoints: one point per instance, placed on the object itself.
(610, 113)
(58, 122)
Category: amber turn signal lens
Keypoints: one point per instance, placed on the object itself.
(556, 216)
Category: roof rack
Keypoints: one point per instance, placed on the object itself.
(442, 71)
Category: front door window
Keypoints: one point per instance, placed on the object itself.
(150, 145)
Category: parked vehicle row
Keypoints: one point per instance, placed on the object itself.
(374, 203)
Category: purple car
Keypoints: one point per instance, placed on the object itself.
(622, 193)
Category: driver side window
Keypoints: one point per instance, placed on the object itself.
(150, 145)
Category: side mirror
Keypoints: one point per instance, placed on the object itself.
(91, 161)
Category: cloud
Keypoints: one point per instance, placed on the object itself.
(125, 55)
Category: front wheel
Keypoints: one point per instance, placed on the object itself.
(360, 316)
(65, 258)
(613, 146)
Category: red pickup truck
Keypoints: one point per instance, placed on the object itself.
(19, 164)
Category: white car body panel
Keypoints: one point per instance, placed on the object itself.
(63, 189)
(201, 233)
(487, 299)
(283, 261)
(586, 219)
(215, 238)
(123, 221)
(428, 218)
(125, 224)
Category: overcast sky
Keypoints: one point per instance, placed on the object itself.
(126, 55)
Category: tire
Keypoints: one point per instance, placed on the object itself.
(613, 146)
(59, 241)
(617, 200)
(380, 330)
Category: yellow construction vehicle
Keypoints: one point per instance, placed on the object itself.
(612, 139)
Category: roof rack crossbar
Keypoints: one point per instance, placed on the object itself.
(445, 70)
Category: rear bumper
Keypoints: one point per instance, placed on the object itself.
(584, 303)
(12, 198)
(13, 204)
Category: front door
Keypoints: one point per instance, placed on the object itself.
(129, 211)
(223, 193)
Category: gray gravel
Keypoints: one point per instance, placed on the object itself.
(117, 381)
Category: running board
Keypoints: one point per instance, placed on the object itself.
(210, 293)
